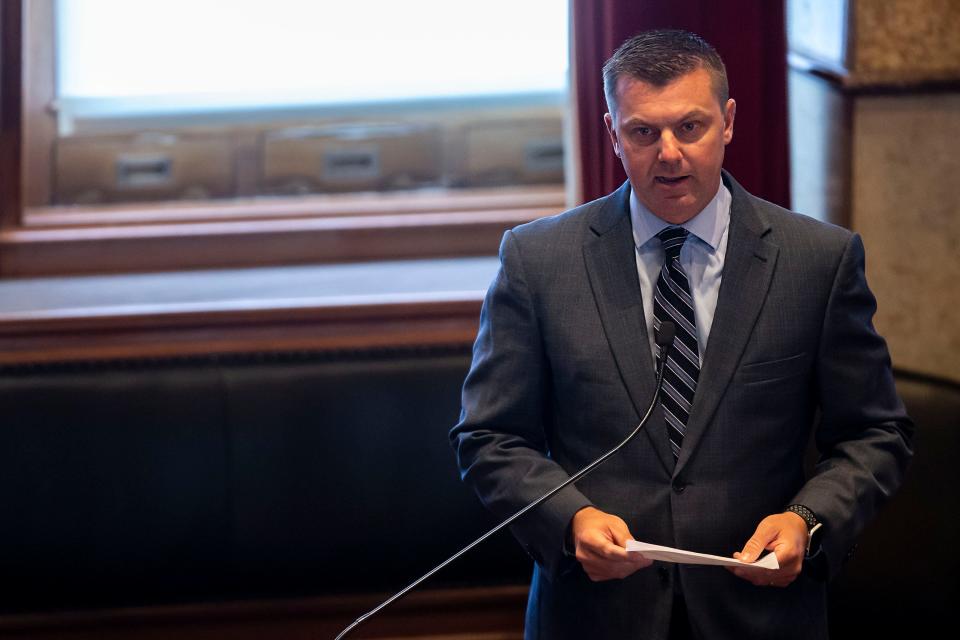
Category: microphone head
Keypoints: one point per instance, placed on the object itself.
(664, 337)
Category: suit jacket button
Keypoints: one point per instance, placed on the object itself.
(679, 486)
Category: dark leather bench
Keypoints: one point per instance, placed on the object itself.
(903, 577)
(245, 477)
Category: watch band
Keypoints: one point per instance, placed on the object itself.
(808, 516)
(813, 524)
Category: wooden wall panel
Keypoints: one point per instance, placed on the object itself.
(492, 613)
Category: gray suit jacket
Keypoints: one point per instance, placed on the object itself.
(562, 371)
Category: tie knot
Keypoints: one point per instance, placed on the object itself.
(672, 239)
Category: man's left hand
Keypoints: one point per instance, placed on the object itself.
(786, 535)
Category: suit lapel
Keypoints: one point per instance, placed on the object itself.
(747, 272)
(611, 267)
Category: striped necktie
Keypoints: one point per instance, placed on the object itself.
(672, 303)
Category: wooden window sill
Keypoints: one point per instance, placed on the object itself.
(172, 236)
(410, 303)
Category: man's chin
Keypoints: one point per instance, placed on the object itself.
(675, 210)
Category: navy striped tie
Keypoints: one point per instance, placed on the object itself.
(672, 303)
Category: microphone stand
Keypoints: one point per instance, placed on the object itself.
(664, 340)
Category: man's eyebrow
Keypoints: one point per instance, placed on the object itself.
(689, 115)
(695, 113)
(633, 122)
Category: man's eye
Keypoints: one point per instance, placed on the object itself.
(690, 130)
(643, 131)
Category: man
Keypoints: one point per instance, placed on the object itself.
(774, 339)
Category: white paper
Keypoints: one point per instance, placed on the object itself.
(669, 554)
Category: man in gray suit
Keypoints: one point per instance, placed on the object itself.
(774, 341)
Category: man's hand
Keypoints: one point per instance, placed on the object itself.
(786, 535)
(600, 540)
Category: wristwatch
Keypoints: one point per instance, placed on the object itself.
(813, 527)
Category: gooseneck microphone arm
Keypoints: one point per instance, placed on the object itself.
(664, 340)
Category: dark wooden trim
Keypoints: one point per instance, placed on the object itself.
(139, 248)
(877, 82)
(927, 378)
(487, 613)
(317, 206)
(11, 49)
(319, 325)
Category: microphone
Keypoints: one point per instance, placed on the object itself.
(664, 335)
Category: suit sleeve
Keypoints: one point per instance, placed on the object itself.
(501, 439)
(864, 436)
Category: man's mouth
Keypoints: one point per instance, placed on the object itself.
(670, 181)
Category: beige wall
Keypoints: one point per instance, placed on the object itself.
(876, 146)
(908, 39)
(905, 174)
(905, 202)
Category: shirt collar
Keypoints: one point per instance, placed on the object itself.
(708, 225)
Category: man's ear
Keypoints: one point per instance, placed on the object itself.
(728, 116)
(612, 132)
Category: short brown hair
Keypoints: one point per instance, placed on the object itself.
(661, 56)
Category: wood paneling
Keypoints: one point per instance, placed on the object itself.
(138, 248)
(327, 324)
(494, 613)
(320, 206)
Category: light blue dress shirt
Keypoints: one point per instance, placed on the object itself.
(701, 257)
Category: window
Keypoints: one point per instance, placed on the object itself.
(169, 100)
(393, 165)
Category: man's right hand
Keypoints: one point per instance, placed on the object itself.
(600, 541)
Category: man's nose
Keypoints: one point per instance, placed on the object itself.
(669, 148)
